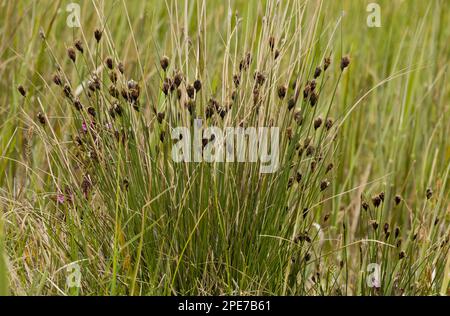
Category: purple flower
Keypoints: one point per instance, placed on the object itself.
(84, 126)
(60, 198)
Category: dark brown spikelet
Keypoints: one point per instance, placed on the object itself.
(98, 35)
(290, 182)
(276, 54)
(197, 85)
(109, 63)
(329, 123)
(72, 54)
(113, 91)
(401, 255)
(307, 256)
(329, 168)
(260, 78)
(289, 133)
(317, 122)
(313, 165)
(317, 72)
(77, 104)
(313, 98)
(67, 91)
(397, 199)
(386, 228)
(190, 106)
(94, 84)
(177, 79)
(272, 42)
(57, 80)
(41, 118)
(324, 184)
(310, 150)
(298, 117)
(345, 61)
(236, 80)
(374, 225)
(365, 205)
(22, 91)
(376, 201)
(396, 232)
(118, 109)
(160, 117)
(298, 177)
(313, 85)
(429, 193)
(326, 63)
(291, 103)
(113, 76)
(166, 86)
(190, 91)
(91, 111)
(164, 62)
(121, 67)
(79, 46)
(282, 91)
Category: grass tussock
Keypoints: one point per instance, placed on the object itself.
(86, 144)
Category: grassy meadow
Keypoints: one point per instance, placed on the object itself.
(92, 202)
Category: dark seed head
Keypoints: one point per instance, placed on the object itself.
(376, 200)
(77, 104)
(326, 63)
(67, 91)
(164, 62)
(98, 35)
(109, 63)
(324, 184)
(236, 80)
(329, 168)
(177, 79)
(272, 42)
(79, 46)
(91, 111)
(329, 123)
(72, 54)
(429, 193)
(276, 54)
(365, 205)
(397, 199)
(160, 117)
(291, 103)
(166, 87)
(190, 91)
(381, 195)
(386, 228)
(345, 61)
(397, 232)
(317, 72)
(21, 90)
(317, 122)
(374, 225)
(41, 118)
(121, 67)
(57, 80)
(113, 76)
(197, 85)
(313, 98)
(298, 177)
(401, 255)
(260, 78)
(282, 91)
(113, 91)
